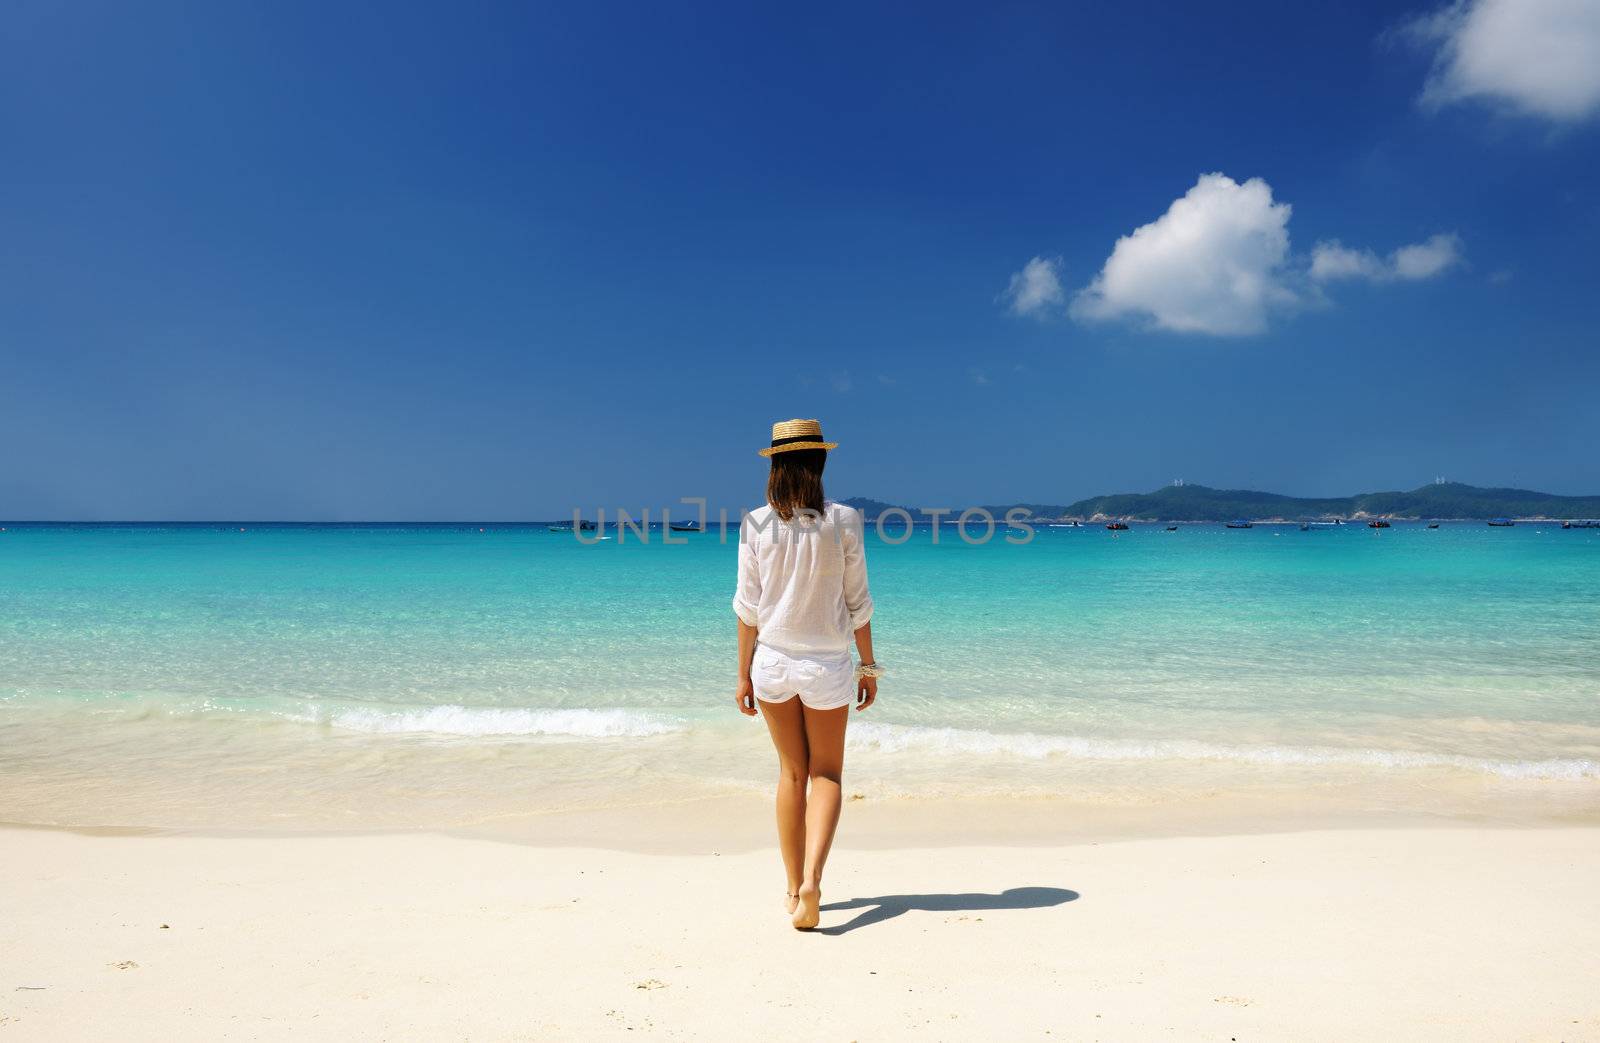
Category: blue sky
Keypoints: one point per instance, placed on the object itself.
(404, 261)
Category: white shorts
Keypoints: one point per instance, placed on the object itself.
(823, 682)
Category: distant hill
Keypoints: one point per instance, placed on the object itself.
(1201, 503)
(870, 509)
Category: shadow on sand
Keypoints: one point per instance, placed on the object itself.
(887, 907)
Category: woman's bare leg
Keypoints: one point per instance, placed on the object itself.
(788, 729)
(824, 731)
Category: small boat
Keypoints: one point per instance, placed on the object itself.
(1313, 523)
(558, 527)
(1433, 525)
(1586, 524)
(1240, 523)
(685, 526)
(1172, 528)
(1501, 523)
(1377, 523)
(1118, 526)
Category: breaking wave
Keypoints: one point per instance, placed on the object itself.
(892, 738)
(613, 723)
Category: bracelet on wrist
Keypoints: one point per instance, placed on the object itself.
(872, 670)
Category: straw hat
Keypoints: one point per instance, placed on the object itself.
(797, 434)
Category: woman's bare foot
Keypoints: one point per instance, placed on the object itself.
(806, 912)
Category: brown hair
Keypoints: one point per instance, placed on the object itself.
(796, 481)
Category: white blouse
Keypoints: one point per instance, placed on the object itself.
(803, 584)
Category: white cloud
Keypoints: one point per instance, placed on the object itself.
(979, 377)
(1332, 260)
(1537, 57)
(1036, 289)
(1218, 262)
(1213, 263)
(841, 382)
(1426, 259)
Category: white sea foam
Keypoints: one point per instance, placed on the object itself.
(379, 718)
(892, 738)
(616, 722)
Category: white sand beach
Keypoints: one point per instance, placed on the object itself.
(1451, 933)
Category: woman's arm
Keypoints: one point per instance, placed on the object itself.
(746, 598)
(858, 602)
(866, 687)
(745, 693)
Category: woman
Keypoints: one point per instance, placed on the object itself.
(801, 598)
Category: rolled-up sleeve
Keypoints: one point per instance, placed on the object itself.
(856, 596)
(747, 592)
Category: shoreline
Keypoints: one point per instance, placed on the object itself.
(741, 824)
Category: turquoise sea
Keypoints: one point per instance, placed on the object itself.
(431, 675)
